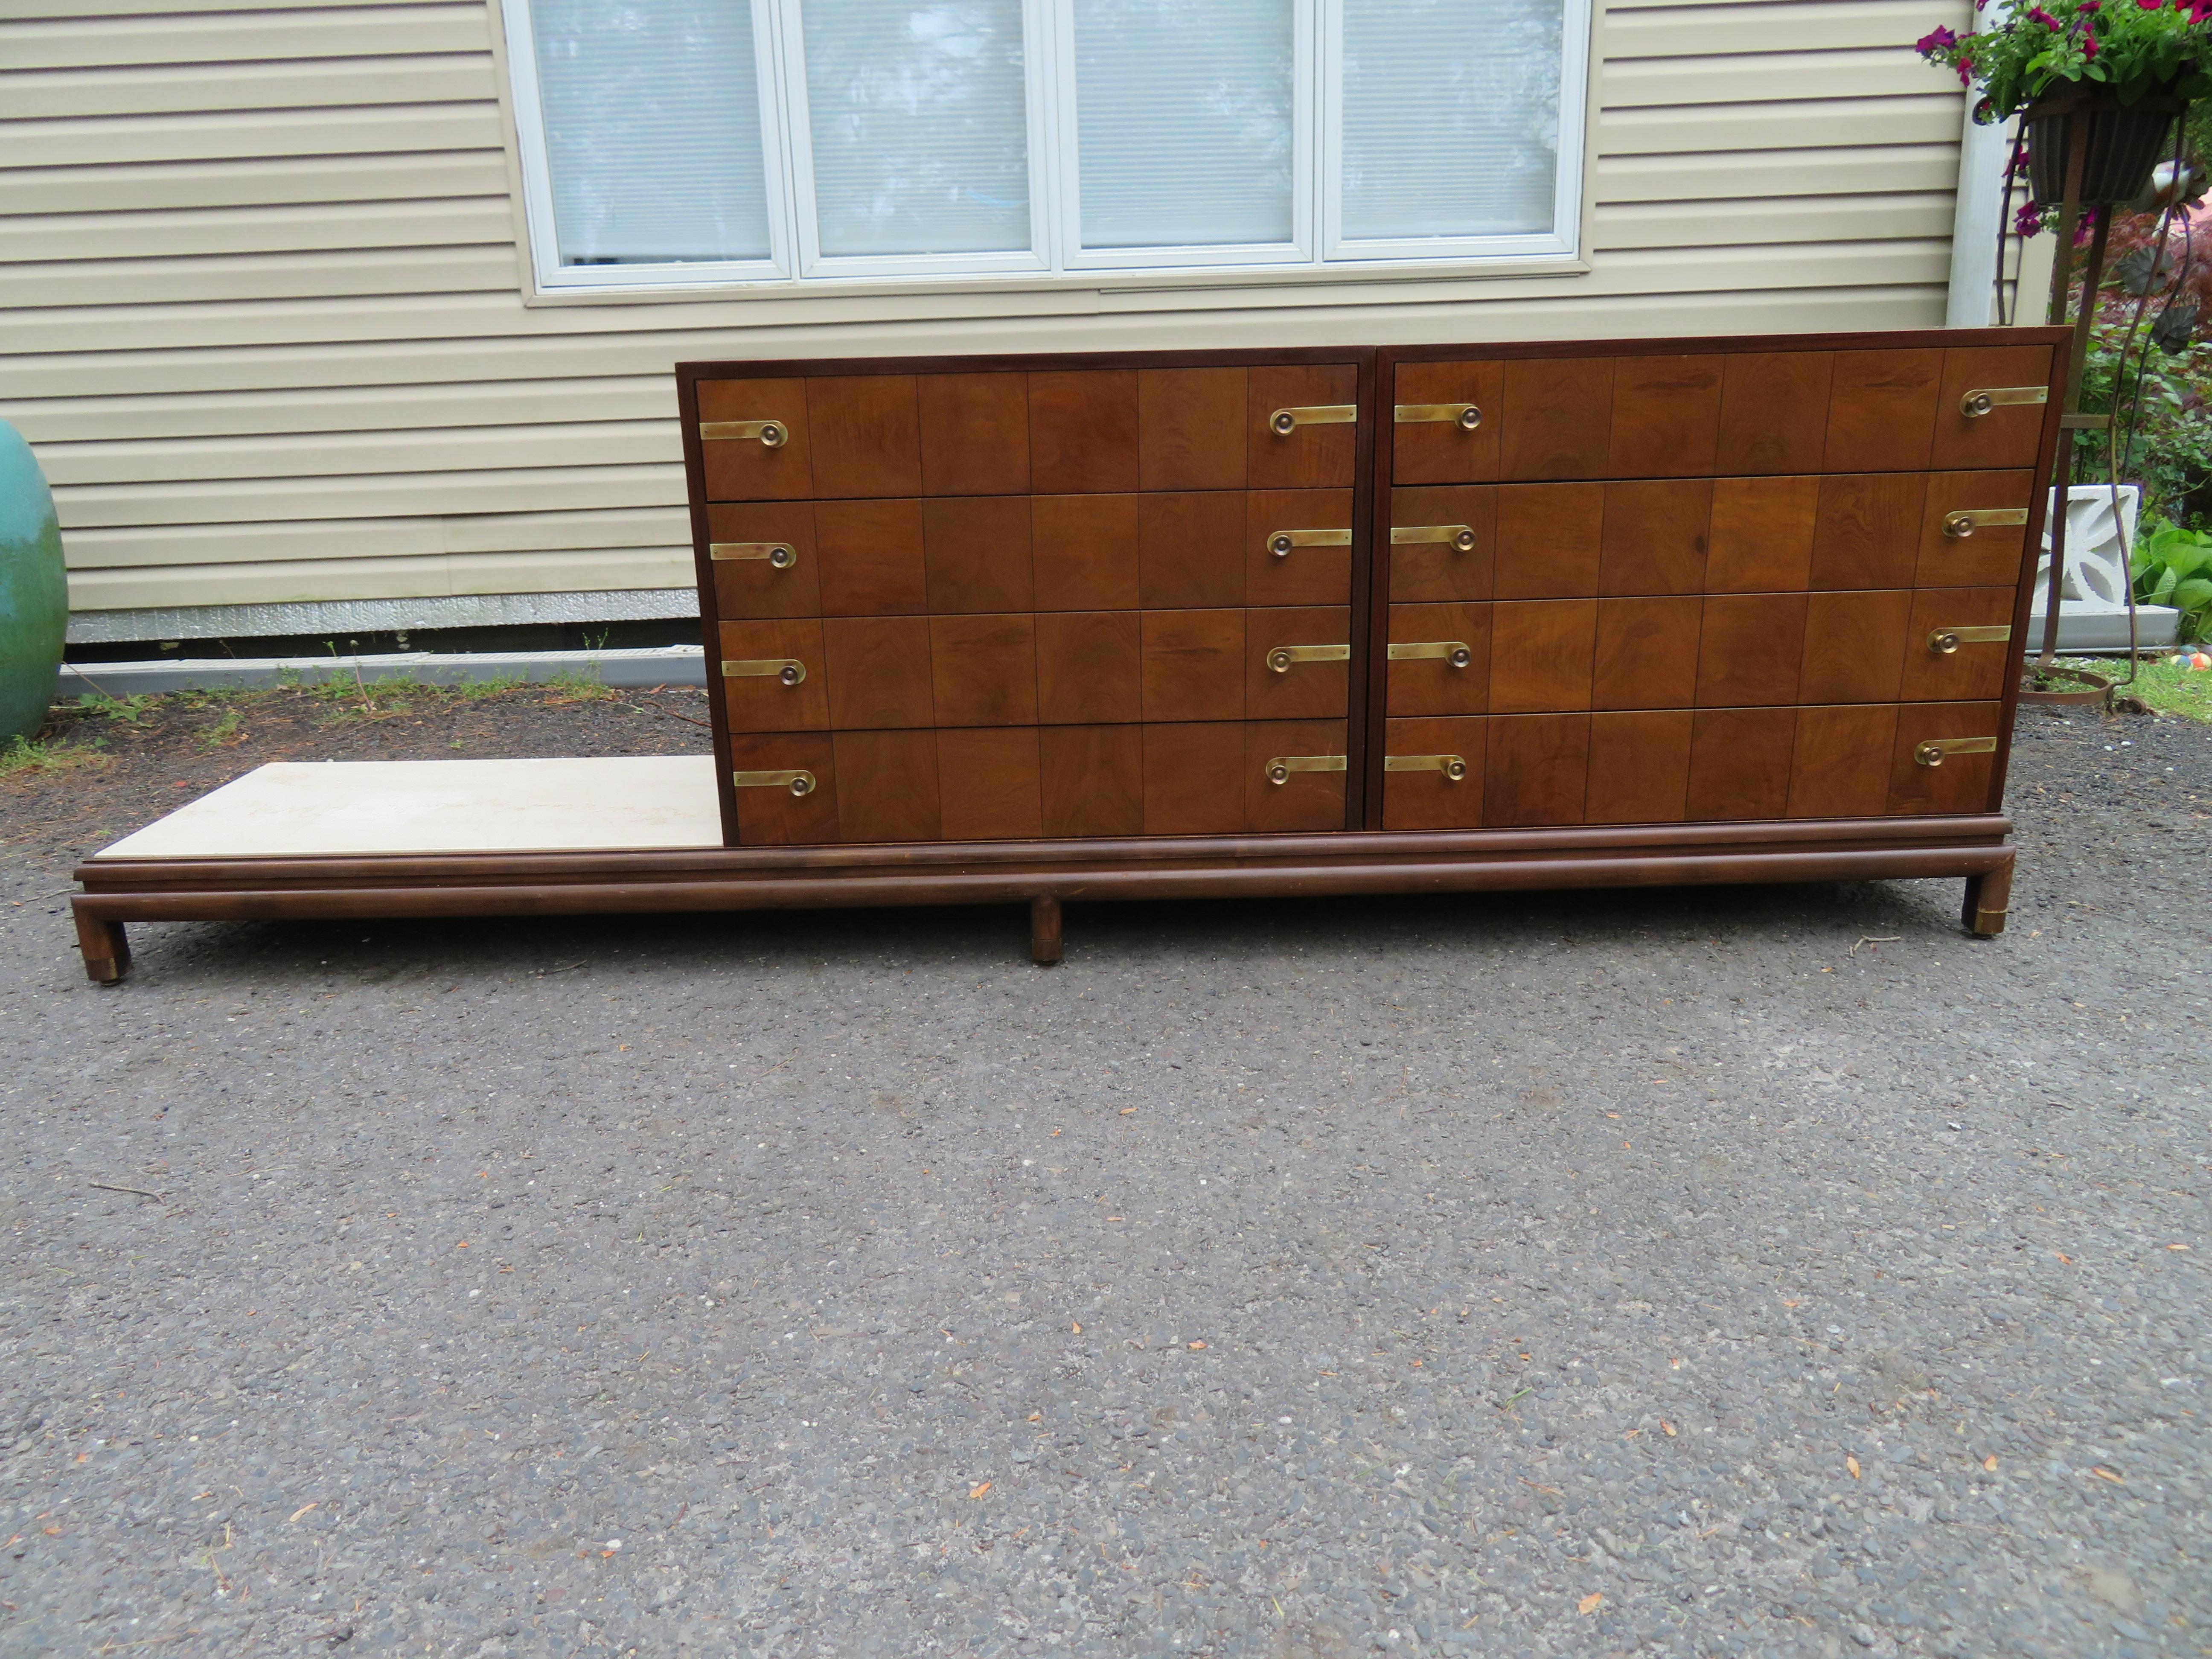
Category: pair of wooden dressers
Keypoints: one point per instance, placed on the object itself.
(1424, 619)
(1367, 619)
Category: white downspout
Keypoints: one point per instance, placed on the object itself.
(1983, 152)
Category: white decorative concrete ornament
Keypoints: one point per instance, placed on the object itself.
(2093, 591)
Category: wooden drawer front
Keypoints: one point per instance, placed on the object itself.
(1714, 413)
(1057, 668)
(1177, 551)
(1008, 433)
(1724, 650)
(1707, 535)
(1019, 783)
(1677, 765)
(1439, 659)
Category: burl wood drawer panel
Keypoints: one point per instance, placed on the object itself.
(1009, 433)
(1685, 765)
(1173, 550)
(1708, 414)
(1707, 535)
(1018, 782)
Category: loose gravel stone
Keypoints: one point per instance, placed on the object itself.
(1771, 1272)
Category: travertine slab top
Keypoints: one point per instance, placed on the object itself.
(338, 808)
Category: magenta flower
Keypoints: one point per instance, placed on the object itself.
(2040, 15)
(2150, 5)
(1938, 38)
(2028, 222)
(1966, 67)
(2088, 6)
(2089, 47)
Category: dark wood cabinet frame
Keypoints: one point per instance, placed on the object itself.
(1362, 858)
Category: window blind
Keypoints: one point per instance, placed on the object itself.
(1184, 118)
(918, 114)
(653, 130)
(1451, 117)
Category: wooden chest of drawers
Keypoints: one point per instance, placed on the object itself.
(1711, 610)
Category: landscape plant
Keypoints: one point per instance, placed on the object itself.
(2132, 47)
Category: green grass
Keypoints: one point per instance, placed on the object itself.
(131, 710)
(2168, 689)
(24, 758)
(225, 731)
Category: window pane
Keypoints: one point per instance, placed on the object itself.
(652, 131)
(1183, 116)
(920, 125)
(1451, 117)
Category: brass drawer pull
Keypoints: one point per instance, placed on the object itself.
(1454, 766)
(1282, 541)
(1454, 652)
(1465, 416)
(1283, 656)
(1958, 526)
(786, 669)
(1945, 640)
(1459, 536)
(799, 783)
(773, 434)
(1284, 422)
(1280, 768)
(1932, 753)
(781, 555)
(1980, 401)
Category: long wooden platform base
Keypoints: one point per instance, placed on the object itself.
(119, 889)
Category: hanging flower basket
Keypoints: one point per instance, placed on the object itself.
(2126, 141)
(2125, 68)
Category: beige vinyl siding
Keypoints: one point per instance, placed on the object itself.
(263, 315)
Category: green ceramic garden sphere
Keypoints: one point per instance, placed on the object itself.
(33, 590)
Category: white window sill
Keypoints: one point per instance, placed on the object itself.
(1396, 282)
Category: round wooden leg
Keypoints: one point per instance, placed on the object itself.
(1044, 932)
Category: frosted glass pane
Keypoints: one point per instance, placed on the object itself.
(1183, 116)
(920, 125)
(652, 131)
(1451, 117)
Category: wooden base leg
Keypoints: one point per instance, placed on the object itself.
(1987, 898)
(1044, 932)
(107, 950)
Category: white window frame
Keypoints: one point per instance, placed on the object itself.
(1056, 258)
(537, 170)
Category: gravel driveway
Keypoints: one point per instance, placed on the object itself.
(1741, 1271)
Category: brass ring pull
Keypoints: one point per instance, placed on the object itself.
(787, 669)
(1454, 652)
(1280, 768)
(780, 556)
(1945, 641)
(1465, 416)
(1284, 422)
(1454, 766)
(1281, 542)
(1459, 537)
(799, 783)
(773, 434)
(1283, 656)
(1980, 401)
(1962, 523)
(1932, 753)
